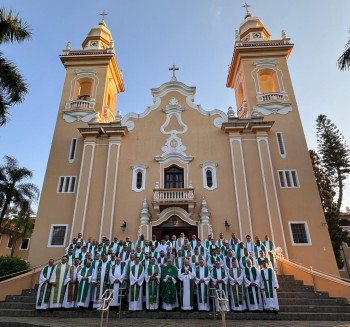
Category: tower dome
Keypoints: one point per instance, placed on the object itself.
(252, 29)
(99, 37)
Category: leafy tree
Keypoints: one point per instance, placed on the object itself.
(18, 225)
(334, 155)
(327, 195)
(344, 59)
(11, 265)
(12, 85)
(13, 188)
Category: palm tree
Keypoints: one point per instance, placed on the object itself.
(344, 59)
(18, 224)
(12, 85)
(13, 191)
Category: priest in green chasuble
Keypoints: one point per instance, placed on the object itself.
(100, 280)
(152, 277)
(71, 283)
(116, 278)
(219, 279)
(236, 286)
(269, 285)
(202, 281)
(136, 278)
(186, 275)
(57, 280)
(44, 290)
(85, 285)
(169, 292)
(252, 287)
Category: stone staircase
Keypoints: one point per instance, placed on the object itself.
(297, 302)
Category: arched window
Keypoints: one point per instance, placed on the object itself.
(209, 175)
(139, 180)
(209, 178)
(173, 177)
(268, 81)
(83, 89)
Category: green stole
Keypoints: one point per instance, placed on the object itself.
(191, 285)
(72, 288)
(201, 249)
(261, 259)
(84, 285)
(199, 288)
(268, 290)
(262, 247)
(168, 287)
(250, 288)
(136, 286)
(228, 261)
(105, 279)
(213, 259)
(193, 259)
(48, 287)
(223, 275)
(244, 260)
(177, 262)
(272, 259)
(236, 288)
(58, 298)
(152, 284)
(186, 253)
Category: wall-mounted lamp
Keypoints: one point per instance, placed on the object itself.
(123, 227)
(227, 225)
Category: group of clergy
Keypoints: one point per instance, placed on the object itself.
(166, 274)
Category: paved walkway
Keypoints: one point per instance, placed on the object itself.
(127, 322)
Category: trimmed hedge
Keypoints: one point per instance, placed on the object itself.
(10, 265)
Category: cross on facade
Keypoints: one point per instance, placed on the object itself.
(103, 14)
(174, 69)
(246, 6)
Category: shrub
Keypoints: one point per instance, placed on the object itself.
(11, 265)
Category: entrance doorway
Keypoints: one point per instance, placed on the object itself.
(174, 226)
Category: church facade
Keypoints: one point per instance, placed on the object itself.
(177, 167)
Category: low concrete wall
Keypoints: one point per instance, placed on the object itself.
(323, 283)
(14, 286)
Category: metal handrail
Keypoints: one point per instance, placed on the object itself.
(5, 278)
(316, 272)
(106, 299)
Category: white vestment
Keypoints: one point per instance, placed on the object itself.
(186, 276)
(270, 303)
(59, 285)
(220, 286)
(116, 279)
(84, 272)
(98, 291)
(74, 280)
(43, 284)
(256, 302)
(202, 304)
(136, 279)
(236, 280)
(148, 275)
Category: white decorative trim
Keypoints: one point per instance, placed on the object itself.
(258, 140)
(88, 74)
(117, 143)
(88, 185)
(85, 116)
(271, 109)
(175, 86)
(236, 139)
(173, 110)
(168, 212)
(268, 65)
(138, 168)
(277, 201)
(50, 236)
(309, 243)
(212, 167)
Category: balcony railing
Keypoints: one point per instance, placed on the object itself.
(272, 97)
(173, 195)
(80, 104)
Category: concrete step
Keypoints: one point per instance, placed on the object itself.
(290, 283)
(318, 302)
(29, 292)
(21, 298)
(303, 295)
(295, 289)
(17, 305)
(285, 277)
(315, 308)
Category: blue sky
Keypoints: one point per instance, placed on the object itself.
(150, 36)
